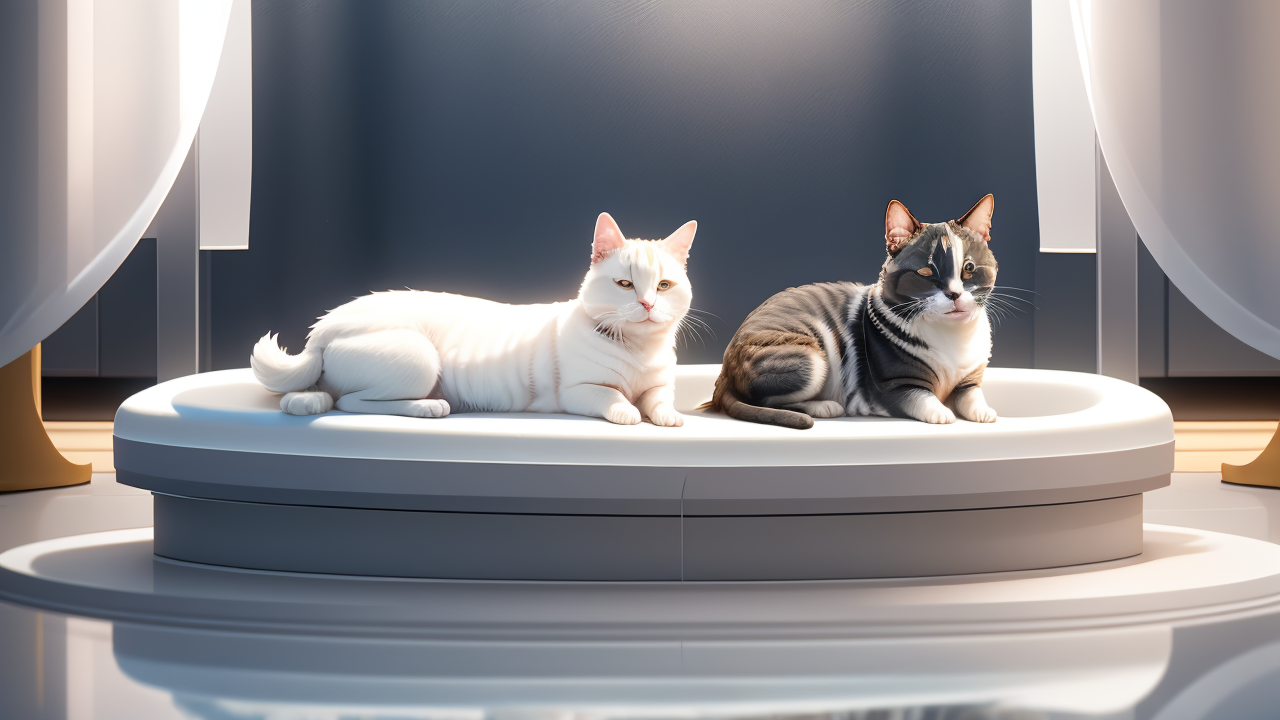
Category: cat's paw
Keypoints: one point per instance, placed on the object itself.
(306, 403)
(983, 414)
(665, 416)
(622, 414)
(940, 415)
(429, 408)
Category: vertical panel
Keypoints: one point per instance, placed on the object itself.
(1065, 180)
(176, 229)
(226, 140)
(205, 343)
(1117, 283)
(1152, 316)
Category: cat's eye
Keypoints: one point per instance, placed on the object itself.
(625, 284)
(925, 272)
(665, 285)
(968, 270)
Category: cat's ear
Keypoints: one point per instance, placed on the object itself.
(677, 243)
(899, 226)
(608, 238)
(978, 219)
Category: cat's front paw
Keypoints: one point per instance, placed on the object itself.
(983, 414)
(622, 414)
(939, 415)
(429, 408)
(665, 416)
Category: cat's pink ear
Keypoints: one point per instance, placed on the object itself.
(978, 219)
(899, 226)
(608, 238)
(677, 243)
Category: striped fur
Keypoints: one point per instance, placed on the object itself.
(914, 345)
(609, 353)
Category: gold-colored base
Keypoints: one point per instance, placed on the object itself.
(1262, 472)
(28, 459)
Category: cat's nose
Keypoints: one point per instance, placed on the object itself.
(646, 304)
(951, 294)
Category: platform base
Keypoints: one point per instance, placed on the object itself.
(493, 546)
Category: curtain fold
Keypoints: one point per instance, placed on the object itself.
(105, 99)
(1185, 96)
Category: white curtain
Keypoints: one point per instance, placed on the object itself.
(119, 87)
(1186, 102)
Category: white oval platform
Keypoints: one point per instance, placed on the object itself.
(1056, 481)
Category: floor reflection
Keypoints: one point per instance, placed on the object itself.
(58, 667)
(54, 667)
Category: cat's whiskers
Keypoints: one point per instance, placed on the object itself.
(693, 326)
(699, 322)
(1007, 302)
(704, 312)
(1013, 298)
(684, 333)
(1011, 287)
(997, 307)
(910, 309)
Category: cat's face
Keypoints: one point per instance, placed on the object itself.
(635, 286)
(940, 271)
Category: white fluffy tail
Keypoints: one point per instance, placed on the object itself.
(278, 371)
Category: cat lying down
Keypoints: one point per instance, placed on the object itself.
(609, 353)
(914, 345)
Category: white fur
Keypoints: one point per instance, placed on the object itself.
(955, 348)
(926, 406)
(424, 354)
(972, 405)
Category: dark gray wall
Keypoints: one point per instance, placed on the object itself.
(468, 147)
(1065, 306)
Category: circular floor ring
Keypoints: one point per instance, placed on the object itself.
(1183, 576)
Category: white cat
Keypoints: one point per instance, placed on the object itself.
(610, 353)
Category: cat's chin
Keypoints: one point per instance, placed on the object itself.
(644, 327)
(955, 316)
(651, 323)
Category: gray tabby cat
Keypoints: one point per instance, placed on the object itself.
(914, 345)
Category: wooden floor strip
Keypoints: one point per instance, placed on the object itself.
(84, 442)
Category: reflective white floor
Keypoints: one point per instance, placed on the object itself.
(55, 666)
